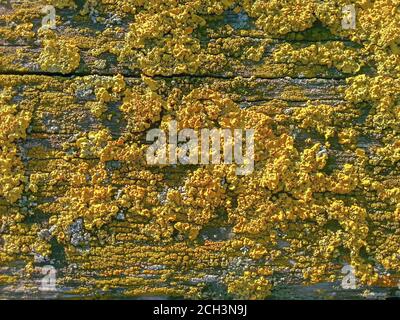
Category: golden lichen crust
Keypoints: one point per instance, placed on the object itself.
(75, 189)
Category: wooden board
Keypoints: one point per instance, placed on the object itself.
(78, 200)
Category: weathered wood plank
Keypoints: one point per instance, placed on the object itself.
(76, 192)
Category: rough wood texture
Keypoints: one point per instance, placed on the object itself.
(76, 193)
